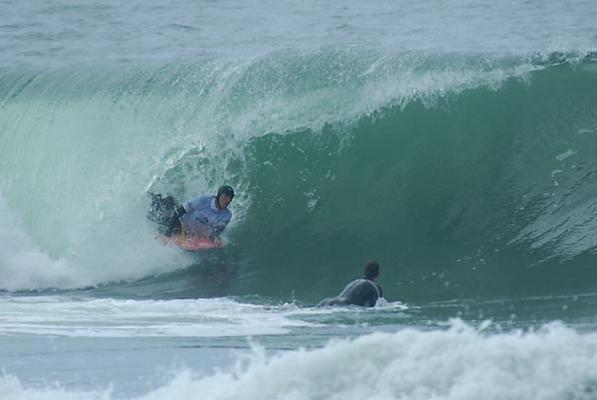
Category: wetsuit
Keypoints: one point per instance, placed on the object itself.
(361, 292)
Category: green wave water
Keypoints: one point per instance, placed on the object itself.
(464, 175)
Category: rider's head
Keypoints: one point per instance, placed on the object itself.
(224, 196)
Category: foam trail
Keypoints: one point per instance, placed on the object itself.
(71, 317)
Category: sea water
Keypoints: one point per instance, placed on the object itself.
(453, 141)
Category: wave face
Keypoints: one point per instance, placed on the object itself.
(463, 174)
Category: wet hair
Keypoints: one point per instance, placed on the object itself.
(371, 270)
(225, 190)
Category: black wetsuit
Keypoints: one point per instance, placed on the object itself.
(361, 292)
(166, 213)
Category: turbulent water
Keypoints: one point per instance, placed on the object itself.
(454, 142)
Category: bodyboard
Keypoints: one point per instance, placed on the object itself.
(191, 243)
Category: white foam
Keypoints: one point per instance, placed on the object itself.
(22, 265)
(56, 315)
(111, 254)
(460, 363)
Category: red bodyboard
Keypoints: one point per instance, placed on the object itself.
(191, 243)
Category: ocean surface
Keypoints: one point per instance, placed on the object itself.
(453, 141)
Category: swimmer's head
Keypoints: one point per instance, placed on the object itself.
(371, 270)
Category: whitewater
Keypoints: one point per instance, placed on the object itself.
(455, 142)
